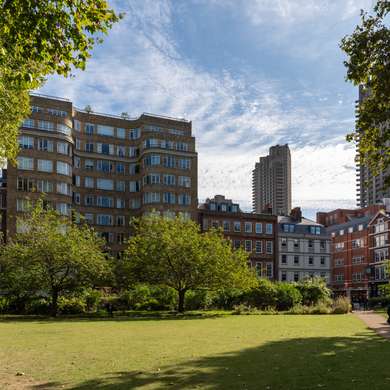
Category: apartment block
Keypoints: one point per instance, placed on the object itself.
(271, 182)
(255, 233)
(106, 168)
(304, 248)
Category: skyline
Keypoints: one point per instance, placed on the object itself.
(243, 94)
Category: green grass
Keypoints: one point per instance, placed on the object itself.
(222, 352)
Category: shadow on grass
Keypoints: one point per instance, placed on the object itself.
(341, 363)
(127, 316)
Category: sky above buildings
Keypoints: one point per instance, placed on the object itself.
(249, 74)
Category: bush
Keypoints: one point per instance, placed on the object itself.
(227, 299)
(341, 305)
(382, 301)
(38, 306)
(287, 296)
(264, 296)
(73, 305)
(92, 299)
(198, 300)
(319, 308)
(313, 291)
(4, 305)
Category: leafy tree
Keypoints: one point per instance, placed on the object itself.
(39, 38)
(368, 65)
(174, 253)
(313, 290)
(52, 255)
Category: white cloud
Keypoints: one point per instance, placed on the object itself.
(235, 118)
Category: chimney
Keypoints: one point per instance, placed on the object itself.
(296, 214)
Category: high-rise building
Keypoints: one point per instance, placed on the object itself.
(107, 168)
(370, 189)
(271, 182)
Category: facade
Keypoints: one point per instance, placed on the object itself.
(304, 248)
(379, 247)
(3, 203)
(370, 189)
(255, 233)
(271, 182)
(104, 167)
(353, 247)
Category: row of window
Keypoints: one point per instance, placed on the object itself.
(290, 228)
(224, 207)
(51, 111)
(297, 276)
(106, 201)
(296, 260)
(106, 166)
(27, 163)
(300, 243)
(254, 246)
(25, 184)
(167, 161)
(47, 126)
(27, 142)
(166, 197)
(108, 149)
(238, 226)
(351, 229)
(165, 144)
(24, 205)
(167, 179)
(356, 277)
(263, 270)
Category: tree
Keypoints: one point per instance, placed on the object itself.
(368, 65)
(174, 253)
(39, 38)
(51, 255)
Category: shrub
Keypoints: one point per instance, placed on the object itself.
(92, 299)
(38, 306)
(321, 308)
(287, 296)
(382, 301)
(198, 299)
(4, 305)
(227, 299)
(73, 305)
(341, 305)
(263, 296)
(313, 290)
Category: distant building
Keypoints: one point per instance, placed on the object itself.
(304, 248)
(271, 182)
(255, 233)
(370, 189)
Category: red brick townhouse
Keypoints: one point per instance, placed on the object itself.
(256, 233)
(350, 250)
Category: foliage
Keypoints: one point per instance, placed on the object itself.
(71, 305)
(263, 296)
(382, 301)
(313, 290)
(52, 255)
(243, 309)
(368, 65)
(341, 305)
(39, 38)
(319, 308)
(227, 298)
(174, 253)
(287, 296)
(199, 299)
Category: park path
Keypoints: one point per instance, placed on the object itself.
(375, 321)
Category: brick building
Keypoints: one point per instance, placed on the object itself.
(255, 233)
(107, 168)
(304, 248)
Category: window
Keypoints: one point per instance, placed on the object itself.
(169, 161)
(77, 162)
(58, 113)
(296, 276)
(315, 230)
(357, 277)
(63, 148)
(26, 142)
(120, 186)
(184, 181)
(88, 218)
(120, 168)
(89, 128)
(184, 199)
(63, 208)
(133, 169)
(77, 181)
(339, 246)
(311, 260)
(284, 259)
(105, 201)
(296, 244)
(22, 205)
(64, 168)
(339, 278)
(45, 165)
(89, 182)
(259, 247)
(358, 243)
(152, 143)
(296, 260)
(121, 151)
(89, 147)
(360, 228)
(76, 197)
(151, 197)
(269, 228)
(226, 226)
(152, 160)
(134, 186)
(120, 203)
(45, 145)
(212, 206)
(339, 262)
(26, 163)
(104, 219)
(63, 188)
(322, 260)
(89, 200)
(107, 131)
(341, 232)
(120, 220)
(44, 186)
(44, 125)
(104, 166)
(269, 269)
(169, 197)
(105, 184)
(288, 228)
(169, 180)
(259, 227)
(25, 184)
(133, 151)
(248, 227)
(152, 178)
(106, 149)
(310, 243)
(236, 244)
(283, 242)
(248, 245)
(29, 123)
(237, 226)
(120, 133)
(184, 163)
(135, 203)
(269, 247)
(134, 133)
(64, 129)
(77, 125)
(350, 229)
(284, 276)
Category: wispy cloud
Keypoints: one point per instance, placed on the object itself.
(236, 116)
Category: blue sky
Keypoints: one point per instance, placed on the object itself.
(249, 74)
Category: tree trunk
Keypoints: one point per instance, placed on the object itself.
(180, 306)
(54, 303)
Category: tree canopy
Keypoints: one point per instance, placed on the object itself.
(174, 253)
(51, 255)
(39, 38)
(368, 65)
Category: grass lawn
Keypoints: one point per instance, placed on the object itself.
(231, 352)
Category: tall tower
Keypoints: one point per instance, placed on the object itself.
(271, 182)
(370, 189)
